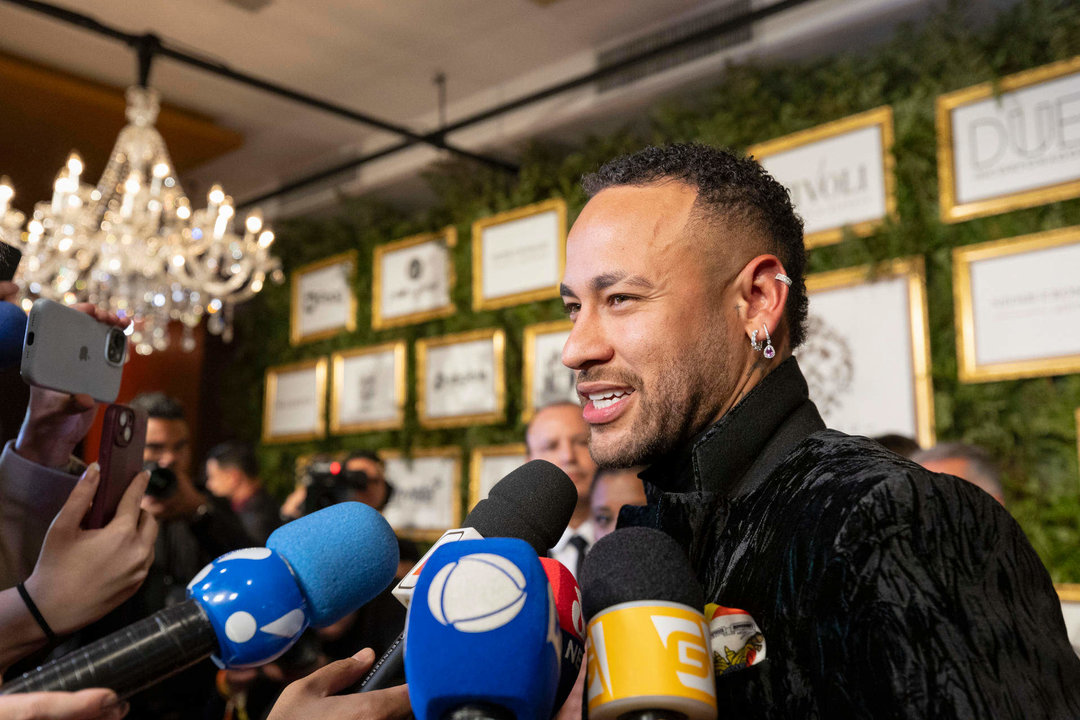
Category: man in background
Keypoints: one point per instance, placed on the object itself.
(232, 472)
(558, 434)
(968, 462)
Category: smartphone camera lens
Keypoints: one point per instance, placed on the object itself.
(124, 420)
(126, 433)
(117, 343)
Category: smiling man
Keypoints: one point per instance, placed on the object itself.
(882, 590)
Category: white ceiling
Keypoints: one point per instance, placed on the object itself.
(380, 57)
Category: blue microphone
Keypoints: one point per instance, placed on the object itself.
(482, 636)
(244, 609)
(12, 331)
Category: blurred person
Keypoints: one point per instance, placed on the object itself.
(232, 472)
(558, 434)
(902, 445)
(967, 462)
(613, 488)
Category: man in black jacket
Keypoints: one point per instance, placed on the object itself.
(881, 589)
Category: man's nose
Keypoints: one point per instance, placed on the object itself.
(587, 344)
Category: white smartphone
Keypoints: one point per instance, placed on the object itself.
(70, 351)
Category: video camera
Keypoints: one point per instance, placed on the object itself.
(328, 483)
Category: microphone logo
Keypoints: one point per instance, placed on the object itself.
(454, 601)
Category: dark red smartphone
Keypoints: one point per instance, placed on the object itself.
(123, 436)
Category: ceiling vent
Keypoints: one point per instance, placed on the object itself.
(679, 56)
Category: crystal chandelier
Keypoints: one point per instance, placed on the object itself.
(133, 243)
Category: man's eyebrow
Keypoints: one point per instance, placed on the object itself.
(603, 282)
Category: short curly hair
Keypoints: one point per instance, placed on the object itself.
(730, 188)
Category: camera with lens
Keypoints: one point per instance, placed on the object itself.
(329, 483)
(162, 481)
(115, 346)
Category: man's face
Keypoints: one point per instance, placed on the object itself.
(222, 481)
(650, 343)
(375, 492)
(168, 443)
(559, 435)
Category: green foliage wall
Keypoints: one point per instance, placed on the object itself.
(1028, 425)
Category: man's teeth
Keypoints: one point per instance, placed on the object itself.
(606, 399)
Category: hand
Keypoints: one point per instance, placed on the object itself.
(293, 506)
(95, 704)
(82, 574)
(9, 291)
(181, 505)
(312, 698)
(55, 422)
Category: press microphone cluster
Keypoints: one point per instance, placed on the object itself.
(245, 608)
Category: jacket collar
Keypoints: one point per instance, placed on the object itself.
(738, 452)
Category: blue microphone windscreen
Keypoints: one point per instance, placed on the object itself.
(12, 332)
(342, 556)
(482, 631)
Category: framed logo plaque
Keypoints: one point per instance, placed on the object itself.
(413, 279)
(489, 464)
(1011, 144)
(519, 256)
(867, 352)
(840, 174)
(546, 379)
(368, 391)
(427, 498)
(294, 407)
(460, 379)
(323, 302)
(1018, 306)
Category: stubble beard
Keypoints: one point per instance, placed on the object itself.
(666, 419)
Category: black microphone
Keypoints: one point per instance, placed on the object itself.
(533, 503)
(649, 653)
(246, 608)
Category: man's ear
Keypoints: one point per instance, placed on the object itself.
(762, 297)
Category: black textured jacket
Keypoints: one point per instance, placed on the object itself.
(882, 590)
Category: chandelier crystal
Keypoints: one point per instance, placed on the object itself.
(134, 244)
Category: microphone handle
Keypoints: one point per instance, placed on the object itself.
(130, 659)
(388, 670)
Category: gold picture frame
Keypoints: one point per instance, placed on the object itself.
(968, 368)
(951, 210)
(378, 322)
(424, 402)
(531, 333)
(1068, 592)
(556, 205)
(880, 116)
(296, 334)
(449, 453)
(478, 455)
(914, 270)
(338, 361)
(271, 383)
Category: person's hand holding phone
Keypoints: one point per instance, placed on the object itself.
(55, 422)
(83, 574)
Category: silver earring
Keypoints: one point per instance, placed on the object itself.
(770, 351)
(753, 341)
(784, 279)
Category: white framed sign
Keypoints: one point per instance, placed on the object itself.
(1018, 306)
(867, 352)
(546, 380)
(460, 379)
(519, 256)
(489, 464)
(1010, 144)
(427, 499)
(1069, 594)
(413, 279)
(294, 405)
(840, 174)
(368, 391)
(323, 302)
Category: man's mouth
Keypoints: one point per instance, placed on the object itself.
(603, 402)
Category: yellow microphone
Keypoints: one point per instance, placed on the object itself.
(649, 649)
